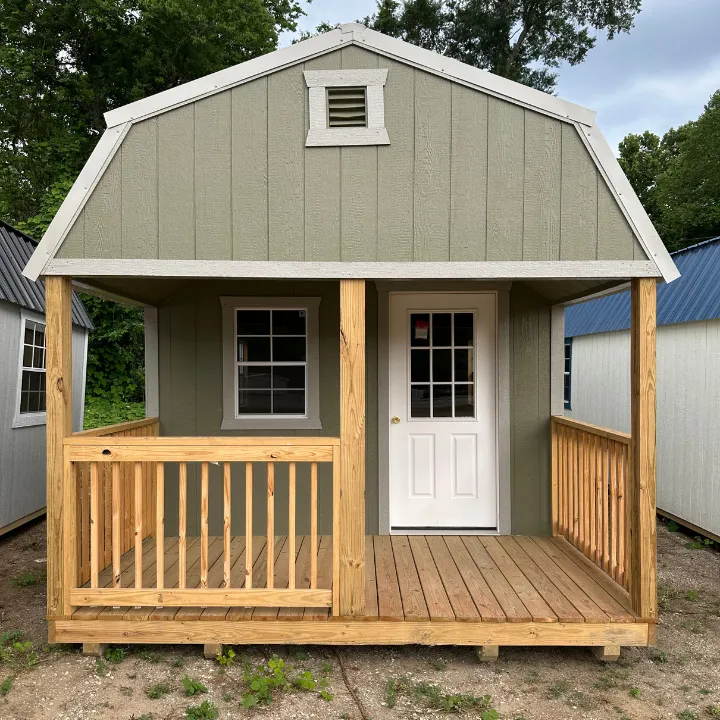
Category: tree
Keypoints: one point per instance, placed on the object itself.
(524, 40)
(63, 64)
(677, 178)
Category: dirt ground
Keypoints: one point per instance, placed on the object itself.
(679, 678)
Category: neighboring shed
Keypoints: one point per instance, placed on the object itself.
(22, 380)
(688, 393)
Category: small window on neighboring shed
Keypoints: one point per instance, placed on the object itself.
(30, 407)
(567, 374)
(347, 107)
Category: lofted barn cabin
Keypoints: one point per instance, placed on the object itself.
(354, 256)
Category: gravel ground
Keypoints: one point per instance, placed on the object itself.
(679, 678)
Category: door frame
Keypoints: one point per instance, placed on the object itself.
(502, 291)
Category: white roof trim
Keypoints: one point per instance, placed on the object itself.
(120, 120)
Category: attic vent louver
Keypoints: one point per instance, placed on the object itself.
(347, 107)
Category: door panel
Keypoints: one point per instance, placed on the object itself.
(443, 388)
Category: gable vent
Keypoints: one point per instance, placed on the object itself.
(347, 107)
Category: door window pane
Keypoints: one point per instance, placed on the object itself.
(463, 365)
(442, 401)
(464, 329)
(441, 329)
(442, 366)
(419, 401)
(420, 366)
(464, 401)
(420, 329)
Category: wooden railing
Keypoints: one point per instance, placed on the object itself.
(591, 483)
(122, 505)
(127, 456)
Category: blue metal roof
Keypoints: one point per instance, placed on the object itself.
(695, 295)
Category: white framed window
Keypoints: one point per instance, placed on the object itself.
(30, 402)
(347, 107)
(271, 363)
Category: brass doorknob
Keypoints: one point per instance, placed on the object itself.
(395, 420)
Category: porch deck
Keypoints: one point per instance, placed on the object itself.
(510, 590)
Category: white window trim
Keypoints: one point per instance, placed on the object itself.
(319, 134)
(21, 420)
(311, 421)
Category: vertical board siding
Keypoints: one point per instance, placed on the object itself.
(176, 183)
(578, 220)
(688, 394)
(466, 177)
(396, 164)
(139, 228)
(432, 167)
(530, 412)
(541, 192)
(322, 186)
(506, 172)
(250, 171)
(213, 221)
(286, 164)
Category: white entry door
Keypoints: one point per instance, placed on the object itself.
(443, 408)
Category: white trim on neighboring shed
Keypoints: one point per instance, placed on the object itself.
(120, 120)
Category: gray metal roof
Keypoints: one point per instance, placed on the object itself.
(694, 296)
(15, 250)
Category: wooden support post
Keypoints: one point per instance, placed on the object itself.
(351, 511)
(94, 649)
(643, 555)
(487, 653)
(212, 650)
(607, 653)
(61, 560)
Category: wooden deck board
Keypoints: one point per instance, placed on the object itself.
(419, 579)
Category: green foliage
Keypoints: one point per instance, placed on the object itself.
(115, 352)
(178, 662)
(114, 655)
(524, 40)
(11, 636)
(672, 526)
(714, 711)
(687, 715)
(226, 657)
(433, 697)
(262, 681)
(193, 687)
(677, 180)
(100, 412)
(25, 579)
(6, 685)
(158, 690)
(149, 655)
(658, 656)
(205, 711)
(101, 667)
(634, 692)
(16, 652)
(62, 65)
(699, 543)
(692, 595)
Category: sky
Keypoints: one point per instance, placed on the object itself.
(657, 77)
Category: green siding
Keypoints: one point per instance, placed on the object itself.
(466, 177)
(529, 412)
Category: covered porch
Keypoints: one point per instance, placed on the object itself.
(123, 566)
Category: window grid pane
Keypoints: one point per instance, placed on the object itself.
(32, 380)
(447, 360)
(256, 336)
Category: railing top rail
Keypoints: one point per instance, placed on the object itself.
(615, 435)
(118, 427)
(213, 441)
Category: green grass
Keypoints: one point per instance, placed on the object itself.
(100, 412)
(26, 579)
(158, 691)
(205, 711)
(6, 686)
(114, 655)
(433, 697)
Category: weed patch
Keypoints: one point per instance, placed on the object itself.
(687, 715)
(193, 687)
(114, 655)
(204, 711)
(226, 657)
(15, 652)
(432, 697)
(158, 690)
(558, 689)
(26, 579)
(6, 686)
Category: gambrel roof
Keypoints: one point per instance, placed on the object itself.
(121, 120)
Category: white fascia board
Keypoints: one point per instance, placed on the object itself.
(629, 202)
(469, 75)
(228, 78)
(75, 200)
(519, 269)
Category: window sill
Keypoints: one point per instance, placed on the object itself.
(29, 420)
(271, 424)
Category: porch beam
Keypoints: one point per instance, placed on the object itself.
(60, 510)
(643, 555)
(351, 501)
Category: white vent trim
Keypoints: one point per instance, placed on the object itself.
(319, 134)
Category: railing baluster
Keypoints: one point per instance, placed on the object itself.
(612, 478)
(138, 525)
(94, 525)
(248, 524)
(107, 495)
(182, 527)
(227, 524)
(587, 447)
(85, 521)
(604, 495)
(291, 526)
(270, 525)
(313, 525)
(204, 526)
(592, 496)
(116, 528)
(621, 514)
(160, 523)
